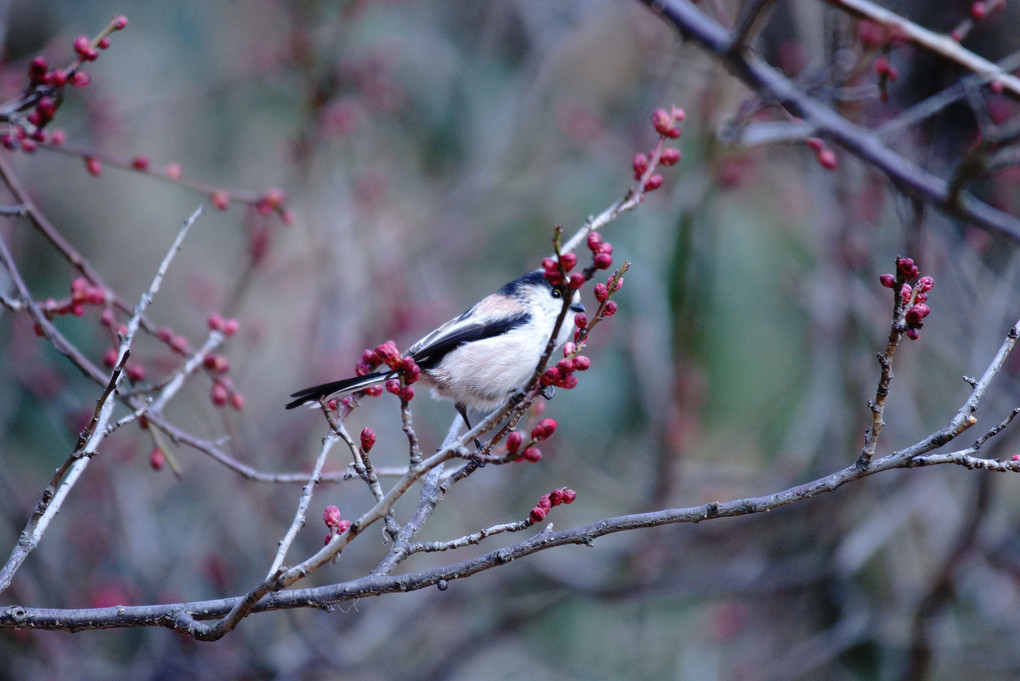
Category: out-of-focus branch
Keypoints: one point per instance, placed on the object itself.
(773, 86)
(88, 444)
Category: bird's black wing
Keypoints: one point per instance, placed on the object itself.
(429, 351)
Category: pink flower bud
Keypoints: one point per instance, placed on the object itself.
(551, 376)
(580, 320)
(581, 363)
(569, 260)
(594, 241)
(532, 455)
(367, 439)
(569, 495)
(887, 280)
(603, 261)
(537, 514)
(94, 166)
(157, 458)
(513, 441)
(219, 394)
(610, 308)
(670, 156)
(640, 165)
(662, 122)
(653, 183)
(543, 429)
(331, 516)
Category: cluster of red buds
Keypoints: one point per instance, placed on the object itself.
(331, 516)
(44, 94)
(520, 450)
(563, 495)
(826, 157)
(407, 369)
(562, 375)
(913, 298)
(667, 124)
(557, 271)
(223, 391)
(82, 293)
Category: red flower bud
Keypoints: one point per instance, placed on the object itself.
(367, 439)
(569, 260)
(653, 183)
(543, 429)
(887, 280)
(537, 514)
(670, 156)
(594, 241)
(94, 166)
(157, 458)
(513, 441)
(219, 394)
(603, 261)
(331, 516)
(640, 165)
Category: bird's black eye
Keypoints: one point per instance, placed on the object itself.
(556, 293)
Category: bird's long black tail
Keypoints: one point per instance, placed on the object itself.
(346, 386)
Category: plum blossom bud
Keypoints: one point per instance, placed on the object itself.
(568, 260)
(543, 429)
(331, 516)
(537, 514)
(670, 156)
(640, 165)
(532, 455)
(887, 280)
(594, 241)
(653, 183)
(367, 439)
(157, 458)
(513, 441)
(603, 261)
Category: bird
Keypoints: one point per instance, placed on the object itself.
(480, 358)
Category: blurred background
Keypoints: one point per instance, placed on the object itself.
(426, 150)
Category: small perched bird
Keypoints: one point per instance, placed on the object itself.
(480, 358)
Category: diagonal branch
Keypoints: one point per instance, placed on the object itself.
(773, 86)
